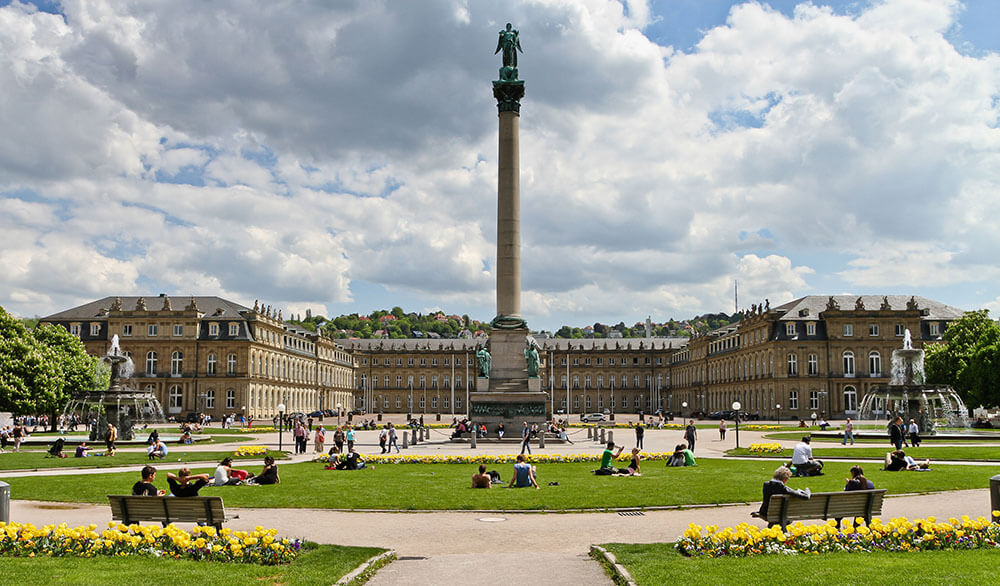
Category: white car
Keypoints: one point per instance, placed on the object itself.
(593, 418)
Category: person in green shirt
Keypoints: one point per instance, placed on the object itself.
(689, 457)
(606, 468)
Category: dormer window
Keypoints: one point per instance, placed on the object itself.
(213, 329)
(790, 329)
(811, 329)
(234, 329)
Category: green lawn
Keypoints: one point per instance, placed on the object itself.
(660, 563)
(976, 453)
(323, 565)
(37, 459)
(447, 486)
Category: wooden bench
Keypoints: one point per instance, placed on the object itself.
(783, 508)
(204, 510)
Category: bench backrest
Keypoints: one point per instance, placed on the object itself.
(167, 509)
(826, 505)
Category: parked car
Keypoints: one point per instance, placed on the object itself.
(316, 414)
(593, 418)
(193, 417)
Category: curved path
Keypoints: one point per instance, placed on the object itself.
(442, 547)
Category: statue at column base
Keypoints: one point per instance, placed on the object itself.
(508, 322)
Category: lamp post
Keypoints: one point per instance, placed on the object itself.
(684, 406)
(778, 407)
(338, 414)
(281, 422)
(736, 410)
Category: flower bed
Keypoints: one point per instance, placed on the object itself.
(495, 458)
(898, 534)
(203, 543)
(250, 451)
(257, 429)
(766, 449)
(759, 427)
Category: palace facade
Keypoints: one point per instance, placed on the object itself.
(816, 354)
(215, 356)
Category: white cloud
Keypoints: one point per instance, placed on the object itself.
(342, 143)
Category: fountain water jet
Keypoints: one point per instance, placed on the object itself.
(119, 405)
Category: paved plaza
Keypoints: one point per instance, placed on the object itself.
(503, 547)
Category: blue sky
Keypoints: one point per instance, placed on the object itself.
(341, 157)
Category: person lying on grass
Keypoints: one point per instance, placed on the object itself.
(898, 460)
(524, 474)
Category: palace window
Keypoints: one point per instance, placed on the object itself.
(874, 363)
(95, 329)
(793, 400)
(848, 363)
(576, 382)
(793, 365)
(151, 363)
(790, 329)
(230, 399)
(458, 402)
(900, 330)
(127, 330)
(423, 362)
(588, 402)
(872, 329)
(813, 364)
(850, 399)
(586, 381)
(409, 362)
(813, 400)
(848, 330)
(810, 329)
(213, 329)
(935, 329)
(212, 360)
(434, 361)
(178, 330)
(210, 400)
(174, 397)
(234, 329)
(231, 365)
(151, 330)
(176, 363)
(74, 329)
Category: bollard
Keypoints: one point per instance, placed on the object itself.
(611, 435)
(602, 436)
(994, 495)
(472, 445)
(424, 434)
(541, 439)
(415, 439)
(590, 432)
(405, 445)
(4, 502)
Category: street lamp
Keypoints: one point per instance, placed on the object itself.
(281, 422)
(338, 414)
(736, 410)
(778, 407)
(684, 406)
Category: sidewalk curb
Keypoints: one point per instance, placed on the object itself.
(607, 559)
(367, 569)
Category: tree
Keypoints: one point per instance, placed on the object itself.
(968, 359)
(79, 369)
(29, 369)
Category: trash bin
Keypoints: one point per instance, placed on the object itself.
(4, 502)
(994, 495)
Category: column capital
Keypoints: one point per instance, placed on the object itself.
(508, 94)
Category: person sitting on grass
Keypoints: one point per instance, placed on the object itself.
(633, 465)
(779, 485)
(225, 475)
(145, 486)
(857, 481)
(157, 450)
(524, 474)
(482, 479)
(56, 451)
(682, 456)
(606, 468)
(185, 484)
(185, 438)
(803, 461)
(269, 475)
(81, 450)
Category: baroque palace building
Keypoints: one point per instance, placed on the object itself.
(815, 354)
(216, 356)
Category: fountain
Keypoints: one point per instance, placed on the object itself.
(119, 405)
(907, 396)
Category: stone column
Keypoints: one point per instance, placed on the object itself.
(509, 217)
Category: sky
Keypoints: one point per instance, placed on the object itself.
(341, 156)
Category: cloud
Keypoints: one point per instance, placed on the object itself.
(284, 152)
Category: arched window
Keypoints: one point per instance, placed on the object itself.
(793, 365)
(151, 363)
(212, 362)
(848, 363)
(176, 363)
(874, 363)
(850, 399)
(231, 365)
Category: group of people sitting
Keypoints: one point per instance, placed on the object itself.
(525, 476)
(897, 460)
(779, 485)
(185, 484)
(346, 461)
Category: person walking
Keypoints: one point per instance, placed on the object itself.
(383, 439)
(319, 439)
(690, 434)
(896, 434)
(350, 438)
(392, 438)
(338, 440)
(722, 430)
(525, 438)
(914, 431)
(639, 432)
(848, 432)
(300, 434)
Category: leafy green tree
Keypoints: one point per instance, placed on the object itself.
(30, 373)
(79, 369)
(968, 359)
